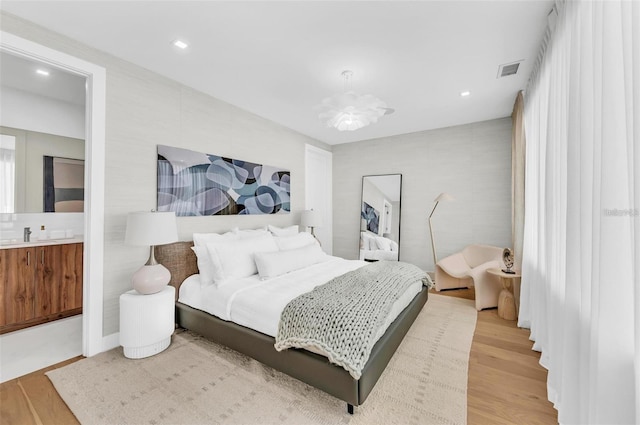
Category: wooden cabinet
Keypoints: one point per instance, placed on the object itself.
(39, 284)
(17, 277)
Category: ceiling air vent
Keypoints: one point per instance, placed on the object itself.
(507, 69)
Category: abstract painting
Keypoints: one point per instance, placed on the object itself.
(191, 183)
(63, 184)
(372, 217)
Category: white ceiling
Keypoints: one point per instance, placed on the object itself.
(280, 59)
(20, 73)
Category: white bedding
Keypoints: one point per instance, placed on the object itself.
(258, 304)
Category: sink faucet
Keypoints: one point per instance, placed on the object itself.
(27, 234)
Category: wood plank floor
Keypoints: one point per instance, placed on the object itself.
(506, 383)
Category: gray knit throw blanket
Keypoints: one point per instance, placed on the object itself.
(343, 317)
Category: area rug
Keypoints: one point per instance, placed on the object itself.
(196, 381)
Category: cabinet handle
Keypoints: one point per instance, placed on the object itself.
(42, 257)
(28, 258)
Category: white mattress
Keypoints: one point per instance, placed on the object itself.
(258, 304)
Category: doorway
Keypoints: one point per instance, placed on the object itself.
(92, 339)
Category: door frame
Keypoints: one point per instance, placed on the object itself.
(312, 200)
(95, 106)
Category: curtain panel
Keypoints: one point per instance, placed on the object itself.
(517, 178)
(580, 292)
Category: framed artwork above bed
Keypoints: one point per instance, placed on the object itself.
(192, 183)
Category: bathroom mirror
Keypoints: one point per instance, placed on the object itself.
(380, 217)
(42, 129)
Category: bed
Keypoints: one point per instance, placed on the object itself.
(377, 248)
(311, 368)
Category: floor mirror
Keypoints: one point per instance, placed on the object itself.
(380, 217)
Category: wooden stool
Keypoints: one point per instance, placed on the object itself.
(507, 308)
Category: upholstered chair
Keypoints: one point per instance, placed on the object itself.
(469, 268)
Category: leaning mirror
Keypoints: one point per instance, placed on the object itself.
(42, 131)
(380, 217)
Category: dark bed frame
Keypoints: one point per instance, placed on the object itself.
(306, 366)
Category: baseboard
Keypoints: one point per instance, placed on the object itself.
(110, 341)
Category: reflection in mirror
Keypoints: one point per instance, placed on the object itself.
(380, 217)
(43, 116)
(7, 172)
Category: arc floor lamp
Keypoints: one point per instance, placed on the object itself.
(442, 197)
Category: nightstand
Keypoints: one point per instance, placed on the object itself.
(146, 322)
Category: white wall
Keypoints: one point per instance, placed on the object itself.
(471, 162)
(144, 110)
(29, 111)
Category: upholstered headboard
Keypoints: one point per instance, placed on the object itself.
(180, 259)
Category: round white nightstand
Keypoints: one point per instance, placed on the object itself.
(146, 322)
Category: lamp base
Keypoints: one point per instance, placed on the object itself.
(150, 279)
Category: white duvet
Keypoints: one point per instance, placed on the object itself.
(258, 304)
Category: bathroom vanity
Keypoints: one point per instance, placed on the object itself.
(39, 282)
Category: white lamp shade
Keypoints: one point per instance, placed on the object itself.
(149, 228)
(444, 197)
(310, 218)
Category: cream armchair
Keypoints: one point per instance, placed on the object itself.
(468, 268)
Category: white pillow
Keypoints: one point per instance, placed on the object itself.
(394, 246)
(368, 241)
(207, 269)
(273, 264)
(236, 257)
(297, 241)
(250, 233)
(284, 231)
(383, 243)
(202, 239)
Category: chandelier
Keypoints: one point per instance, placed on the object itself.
(350, 111)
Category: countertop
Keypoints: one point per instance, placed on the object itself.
(16, 243)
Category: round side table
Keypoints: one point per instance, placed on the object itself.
(146, 322)
(506, 302)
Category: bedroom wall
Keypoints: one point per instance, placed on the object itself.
(471, 162)
(145, 109)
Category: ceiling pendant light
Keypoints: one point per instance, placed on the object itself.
(350, 111)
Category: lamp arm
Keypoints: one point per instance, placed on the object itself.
(434, 208)
(433, 243)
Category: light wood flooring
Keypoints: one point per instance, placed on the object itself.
(506, 383)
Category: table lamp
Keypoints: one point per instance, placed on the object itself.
(311, 218)
(150, 228)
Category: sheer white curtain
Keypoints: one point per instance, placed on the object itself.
(581, 263)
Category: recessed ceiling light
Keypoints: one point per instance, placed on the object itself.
(465, 93)
(43, 72)
(180, 44)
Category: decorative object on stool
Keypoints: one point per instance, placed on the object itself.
(311, 218)
(149, 228)
(442, 197)
(507, 258)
